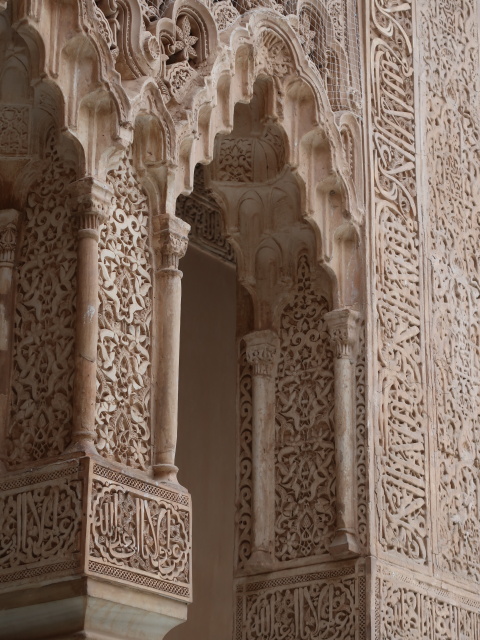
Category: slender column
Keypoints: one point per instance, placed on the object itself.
(8, 242)
(262, 353)
(93, 201)
(170, 244)
(343, 327)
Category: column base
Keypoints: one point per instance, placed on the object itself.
(165, 473)
(260, 561)
(344, 544)
(84, 447)
(90, 609)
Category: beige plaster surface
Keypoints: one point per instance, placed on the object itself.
(206, 445)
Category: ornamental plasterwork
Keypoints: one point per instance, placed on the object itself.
(304, 441)
(42, 384)
(160, 84)
(123, 429)
(205, 217)
(138, 534)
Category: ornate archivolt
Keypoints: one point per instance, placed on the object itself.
(295, 349)
(172, 132)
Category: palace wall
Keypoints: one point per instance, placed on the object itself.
(319, 387)
(424, 132)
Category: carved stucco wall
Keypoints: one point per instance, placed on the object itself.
(42, 384)
(402, 509)
(452, 208)
(425, 132)
(123, 429)
(304, 440)
(418, 367)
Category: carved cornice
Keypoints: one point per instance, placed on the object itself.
(170, 239)
(262, 351)
(343, 326)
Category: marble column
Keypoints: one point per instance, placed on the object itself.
(170, 244)
(262, 351)
(92, 202)
(8, 241)
(343, 325)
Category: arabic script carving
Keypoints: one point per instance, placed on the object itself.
(402, 506)
(319, 605)
(453, 165)
(140, 532)
(40, 521)
(405, 611)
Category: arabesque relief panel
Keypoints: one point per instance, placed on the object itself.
(43, 342)
(402, 503)
(123, 429)
(452, 199)
(304, 438)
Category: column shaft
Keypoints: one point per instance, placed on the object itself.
(344, 442)
(8, 240)
(262, 353)
(343, 327)
(92, 200)
(170, 238)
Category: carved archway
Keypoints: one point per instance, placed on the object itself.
(246, 209)
(147, 97)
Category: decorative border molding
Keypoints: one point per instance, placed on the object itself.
(140, 485)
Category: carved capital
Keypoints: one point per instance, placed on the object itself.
(170, 237)
(93, 201)
(343, 326)
(8, 236)
(262, 352)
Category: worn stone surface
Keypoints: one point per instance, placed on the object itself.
(349, 215)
